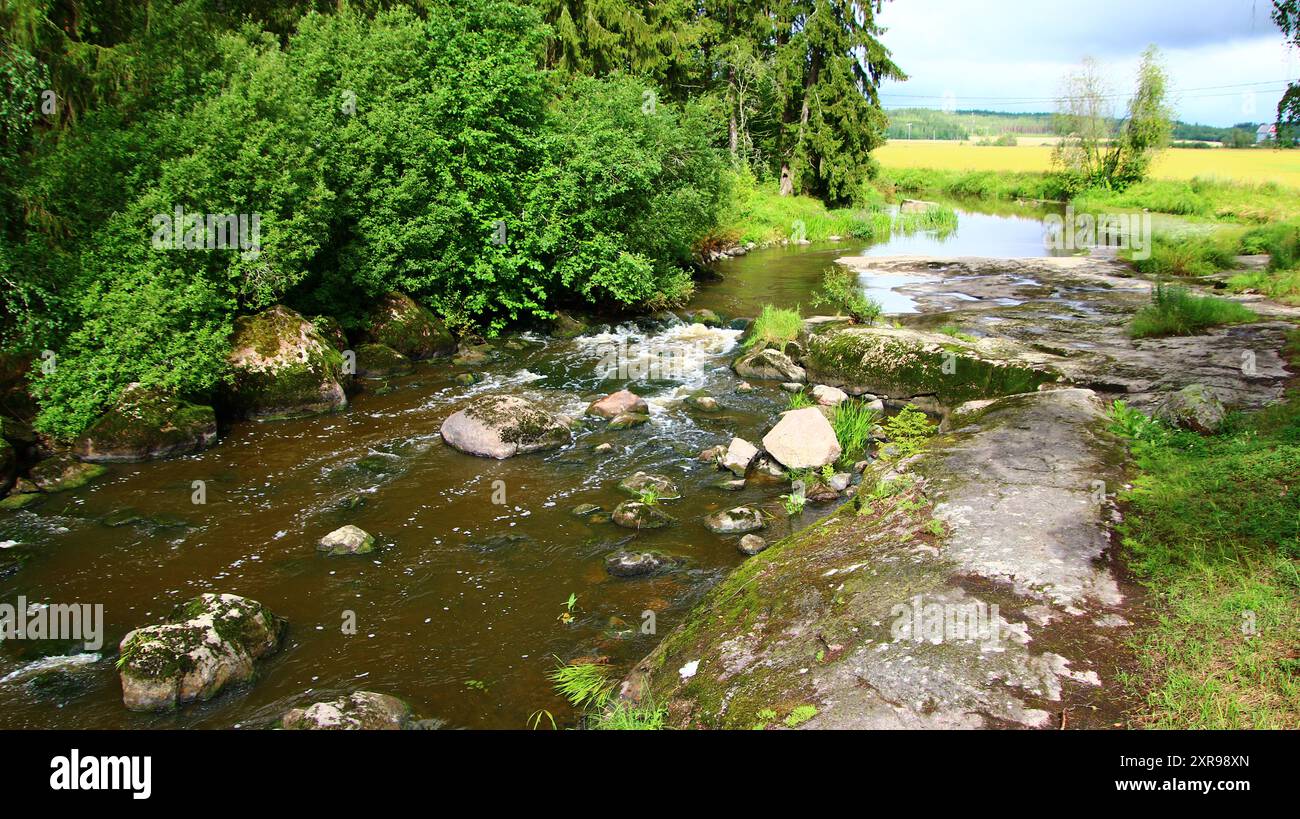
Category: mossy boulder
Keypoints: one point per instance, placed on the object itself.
(566, 326)
(738, 521)
(19, 501)
(64, 472)
(146, 424)
(332, 330)
(283, 367)
(903, 363)
(377, 361)
(637, 515)
(642, 482)
(359, 711)
(769, 364)
(1194, 407)
(210, 642)
(501, 426)
(397, 321)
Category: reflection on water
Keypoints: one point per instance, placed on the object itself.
(788, 276)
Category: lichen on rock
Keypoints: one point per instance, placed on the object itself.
(208, 643)
(145, 424)
(397, 321)
(283, 367)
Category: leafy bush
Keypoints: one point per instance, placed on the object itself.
(378, 154)
(842, 291)
(909, 430)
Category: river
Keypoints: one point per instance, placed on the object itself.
(460, 610)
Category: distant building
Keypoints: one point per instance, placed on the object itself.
(1266, 133)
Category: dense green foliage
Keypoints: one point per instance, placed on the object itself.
(494, 159)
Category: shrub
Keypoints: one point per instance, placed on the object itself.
(842, 291)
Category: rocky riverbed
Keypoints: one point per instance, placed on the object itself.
(405, 525)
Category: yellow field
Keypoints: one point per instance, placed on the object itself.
(1252, 166)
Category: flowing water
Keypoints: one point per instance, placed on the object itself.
(459, 611)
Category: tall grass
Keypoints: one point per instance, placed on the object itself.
(853, 421)
(586, 685)
(774, 327)
(1188, 254)
(1174, 311)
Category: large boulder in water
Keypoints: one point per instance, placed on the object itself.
(500, 426)
(210, 642)
(803, 439)
(1194, 407)
(146, 424)
(409, 328)
(375, 361)
(283, 367)
(359, 711)
(767, 364)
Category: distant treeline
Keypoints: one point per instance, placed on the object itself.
(925, 123)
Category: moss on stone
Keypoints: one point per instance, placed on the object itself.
(409, 328)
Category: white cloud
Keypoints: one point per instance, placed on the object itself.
(1010, 54)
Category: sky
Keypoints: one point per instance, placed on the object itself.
(1227, 61)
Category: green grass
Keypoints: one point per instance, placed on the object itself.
(625, 717)
(799, 400)
(1174, 311)
(1189, 253)
(756, 212)
(586, 686)
(1213, 530)
(774, 327)
(853, 421)
(956, 332)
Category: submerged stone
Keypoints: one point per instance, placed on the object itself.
(359, 711)
(64, 472)
(639, 564)
(347, 540)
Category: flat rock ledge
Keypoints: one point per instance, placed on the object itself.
(976, 593)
